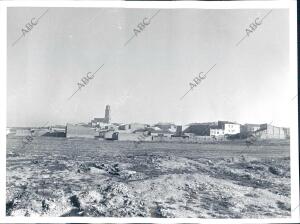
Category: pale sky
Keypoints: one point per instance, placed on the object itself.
(144, 81)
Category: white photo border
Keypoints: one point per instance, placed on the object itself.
(291, 5)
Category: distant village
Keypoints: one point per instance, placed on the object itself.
(103, 129)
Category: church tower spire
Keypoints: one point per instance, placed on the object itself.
(107, 114)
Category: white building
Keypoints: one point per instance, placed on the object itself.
(250, 127)
(225, 128)
(216, 132)
(232, 129)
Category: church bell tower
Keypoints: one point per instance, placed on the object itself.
(107, 114)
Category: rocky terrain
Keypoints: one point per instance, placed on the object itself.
(61, 177)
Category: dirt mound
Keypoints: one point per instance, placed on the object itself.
(157, 180)
(110, 200)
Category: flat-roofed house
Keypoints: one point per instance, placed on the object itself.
(166, 126)
(200, 129)
(268, 131)
(250, 128)
(216, 132)
(137, 126)
(230, 128)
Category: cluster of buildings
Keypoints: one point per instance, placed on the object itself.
(219, 130)
(102, 128)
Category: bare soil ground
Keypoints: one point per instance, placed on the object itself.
(61, 177)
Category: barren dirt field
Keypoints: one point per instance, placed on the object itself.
(61, 177)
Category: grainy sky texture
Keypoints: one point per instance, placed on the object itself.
(144, 80)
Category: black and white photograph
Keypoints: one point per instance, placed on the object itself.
(151, 111)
